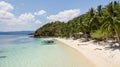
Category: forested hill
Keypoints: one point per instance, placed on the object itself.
(52, 29)
(102, 23)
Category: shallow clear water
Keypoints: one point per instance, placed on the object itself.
(23, 51)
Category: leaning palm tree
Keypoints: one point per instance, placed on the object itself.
(111, 23)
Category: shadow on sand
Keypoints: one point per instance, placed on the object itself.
(116, 47)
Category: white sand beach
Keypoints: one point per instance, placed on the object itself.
(101, 56)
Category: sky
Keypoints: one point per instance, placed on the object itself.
(29, 15)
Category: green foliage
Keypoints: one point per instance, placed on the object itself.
(103, 22)
(50, 29)
(100, 34)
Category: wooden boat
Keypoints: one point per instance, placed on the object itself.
(48, 41)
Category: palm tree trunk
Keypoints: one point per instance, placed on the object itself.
(118, 38)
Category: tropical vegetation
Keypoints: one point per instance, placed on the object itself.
(102, 23)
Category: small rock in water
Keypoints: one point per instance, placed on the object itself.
(3, 56)
(1, 51)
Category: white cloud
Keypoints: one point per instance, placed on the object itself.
(26, 17)
(65, 15)
(5, 14)
(7, 17)
(10, 22)
(10, 19)
(5, 9)
(41, 12)
(38, 22)
(5, 6)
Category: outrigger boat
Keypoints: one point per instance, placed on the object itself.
(49, 41)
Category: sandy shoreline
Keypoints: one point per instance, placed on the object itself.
(101, 56)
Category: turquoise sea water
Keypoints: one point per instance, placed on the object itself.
(24, 51)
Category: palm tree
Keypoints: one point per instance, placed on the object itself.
(111, 22)
(90, 22)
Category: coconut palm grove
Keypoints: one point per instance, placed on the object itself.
(102, 23)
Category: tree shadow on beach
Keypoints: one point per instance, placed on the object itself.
(116, 47)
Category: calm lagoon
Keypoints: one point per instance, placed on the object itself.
(24, 51)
